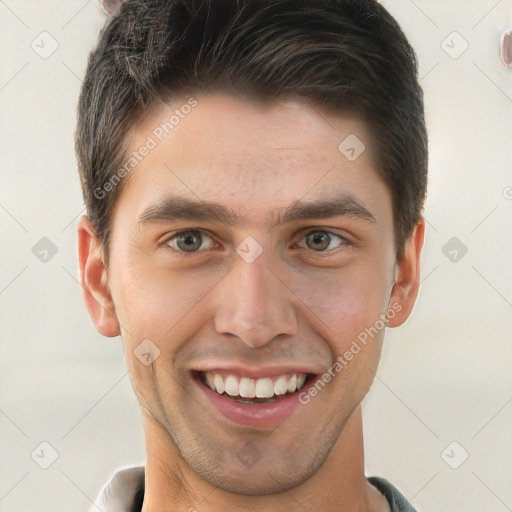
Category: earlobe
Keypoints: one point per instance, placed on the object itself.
(407, 279)
(94, 280)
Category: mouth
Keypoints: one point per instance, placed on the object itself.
(254, 397)
(251, 391)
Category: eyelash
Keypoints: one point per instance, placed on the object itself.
(180, 252)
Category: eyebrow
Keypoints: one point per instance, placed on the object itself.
(173, 208)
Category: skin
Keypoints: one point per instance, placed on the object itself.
(298, 302)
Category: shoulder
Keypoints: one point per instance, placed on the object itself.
(397, 501)
(123, 492)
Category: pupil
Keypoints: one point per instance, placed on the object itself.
(188, 239)
(318, 238)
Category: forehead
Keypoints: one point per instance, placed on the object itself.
(255, 157)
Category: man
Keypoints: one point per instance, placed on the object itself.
(254, 173)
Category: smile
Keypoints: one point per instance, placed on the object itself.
(264, 389)
(263, 401)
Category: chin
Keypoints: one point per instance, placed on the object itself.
(264, 478)
(257, 484)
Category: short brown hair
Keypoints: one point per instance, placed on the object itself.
(337, 54)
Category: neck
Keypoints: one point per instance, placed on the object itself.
(338, 486)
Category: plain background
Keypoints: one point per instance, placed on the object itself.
(444, 388)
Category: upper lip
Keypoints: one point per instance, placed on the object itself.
(255, 372)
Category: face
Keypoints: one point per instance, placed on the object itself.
(247, 249)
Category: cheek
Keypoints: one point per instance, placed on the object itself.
(347, 303)
(155, 308)
(154, 302)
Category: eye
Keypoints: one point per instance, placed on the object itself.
(188, 241)
(320, 241)
(191, 241)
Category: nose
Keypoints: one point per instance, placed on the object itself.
(254, 304)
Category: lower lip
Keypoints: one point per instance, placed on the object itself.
(254, 415)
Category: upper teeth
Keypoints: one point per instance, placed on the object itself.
(265, 387)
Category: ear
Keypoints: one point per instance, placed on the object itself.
(407, 278)
(94, 280)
